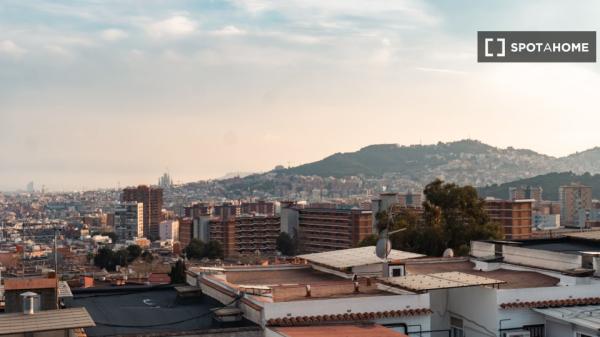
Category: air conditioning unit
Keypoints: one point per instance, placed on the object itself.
(517, 333)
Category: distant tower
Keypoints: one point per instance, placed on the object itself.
(30, 187)
(165, 182)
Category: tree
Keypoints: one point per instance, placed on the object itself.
(104, 258)
(214, 250)
(147, 256)
(177, 273)
(452, 217)
(369, 240)
(195, 249)
(286, 244)
(134, 252)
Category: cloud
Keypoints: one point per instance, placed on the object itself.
(113, 34)
(230, 30)
(175, 26)
(10, 48)
(440, 70)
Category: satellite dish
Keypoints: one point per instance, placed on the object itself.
(448, 252)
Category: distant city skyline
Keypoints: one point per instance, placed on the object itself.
(95, 94)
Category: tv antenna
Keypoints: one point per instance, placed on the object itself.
(384, 245)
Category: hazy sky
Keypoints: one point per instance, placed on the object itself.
(93, 93)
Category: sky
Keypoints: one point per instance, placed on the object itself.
(116, 92)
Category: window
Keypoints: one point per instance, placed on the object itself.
(456, 327)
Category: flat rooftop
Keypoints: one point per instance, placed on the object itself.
(303, 275)
(513, 279)
(353, 257)
(147, 311)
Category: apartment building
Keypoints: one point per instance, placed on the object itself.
(152, 198)
(575, 203)
(246, 234)
(169, 230)
(258, 207)
(324, 229)
(525, 192)
(128, 220)
(515, 217)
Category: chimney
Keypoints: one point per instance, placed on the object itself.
(30, 302)
(308, 290)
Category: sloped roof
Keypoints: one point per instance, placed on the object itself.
(373, 330)
(47, 320)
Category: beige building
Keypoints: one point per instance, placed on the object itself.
(575, 204)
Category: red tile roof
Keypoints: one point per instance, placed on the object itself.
(372, 330)
(347, 317)
(552, 303)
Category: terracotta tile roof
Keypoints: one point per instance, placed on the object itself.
(346, 317)
(371, 330)
(29, 283)
(552, 303)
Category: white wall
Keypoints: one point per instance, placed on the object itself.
(482, 249)
(540, 258)
(477, 307)
(354, 304)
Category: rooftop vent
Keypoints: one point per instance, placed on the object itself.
(30, 302)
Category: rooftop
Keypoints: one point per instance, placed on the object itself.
(133, 312)
(47, 320)
(29, 283)
(512, 279)
(353, 257)
(373, 330)
(425, 282)
(302, 275)
(586, 316)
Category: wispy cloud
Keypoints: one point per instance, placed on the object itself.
(113, 34)
(229, 31)
(174, 26)
(441, 70)
(8, 47)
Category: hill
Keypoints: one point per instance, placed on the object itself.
(549, 183)
(465, 162)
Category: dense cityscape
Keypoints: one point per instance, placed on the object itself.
(170, 242)
(299, 168)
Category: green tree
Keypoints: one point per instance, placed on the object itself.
(177, 273)
(452, 217)
(214, 250)
(105, 258)
(195, 249)
(286, 244)
(369, 240)
(134, 252)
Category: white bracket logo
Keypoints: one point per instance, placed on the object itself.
(487, 47)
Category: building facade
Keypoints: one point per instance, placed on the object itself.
(152, 198)
(128, 220)
(575, 202)
(324, 229)
(515, 217)
(169, 230)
